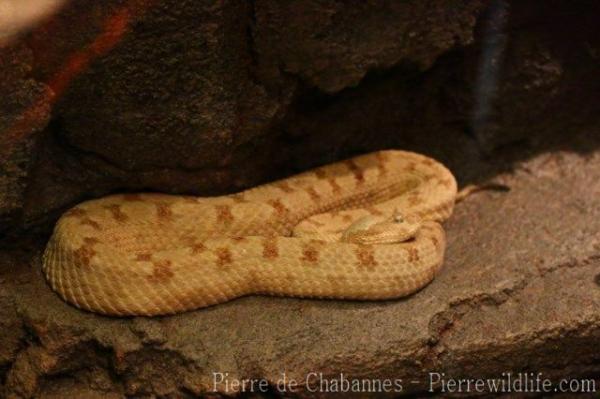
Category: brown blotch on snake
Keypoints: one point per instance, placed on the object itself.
(144, 257)
(164, 211)
(161, 272)
(197, 248)
(310, 254)
(117, 213)
(381, 162)
(313, 194)
(335, 187)
(223, 256)
(365, 256)
(356, 171)
(84, 254)
(280, 209)
(224, 214)
(285, 187)
(413, 254)
(270, 250)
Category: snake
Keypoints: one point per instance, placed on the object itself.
(366, 228)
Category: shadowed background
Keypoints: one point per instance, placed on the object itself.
(214, 97)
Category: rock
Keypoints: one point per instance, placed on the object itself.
(24, 113)
(184, 96)
(180, 70)
(544, 83)
(518, 292)
(214, 97)
(546, 79)
(150, 99)
(331, 46)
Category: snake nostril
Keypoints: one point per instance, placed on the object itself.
(597, 279)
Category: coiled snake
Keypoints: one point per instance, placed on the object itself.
(364, 228)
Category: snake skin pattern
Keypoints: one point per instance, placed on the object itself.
(366, 228)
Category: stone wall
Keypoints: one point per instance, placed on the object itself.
(214, 97)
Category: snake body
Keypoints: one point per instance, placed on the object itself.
(365, 228)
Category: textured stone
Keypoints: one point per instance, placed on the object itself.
(546, 77)
(175, 91)
(332, 45)
(24, 113)
(213, 97)
(519, 292)
(544, 83)
(183, 96)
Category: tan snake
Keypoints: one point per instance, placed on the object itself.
(364, 228)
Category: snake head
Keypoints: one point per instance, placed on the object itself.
(382, 230)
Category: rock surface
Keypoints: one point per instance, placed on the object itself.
(187, 100)
(211, 97)
(520, 291)
(24, 112)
